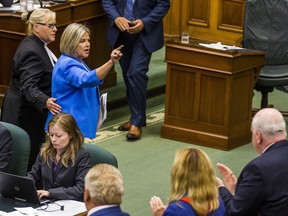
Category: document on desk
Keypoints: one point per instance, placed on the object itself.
(219, 46)
(71, 207)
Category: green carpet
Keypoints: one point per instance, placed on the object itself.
(145, 164)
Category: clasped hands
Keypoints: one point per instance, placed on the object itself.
(229, 179)
(131, 27)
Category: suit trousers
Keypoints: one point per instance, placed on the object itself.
(135, 65)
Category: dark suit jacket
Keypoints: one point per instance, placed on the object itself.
(150, 12)
(112, 211)
(29, 89)
(5, 148)
(68, 182)
(262, 186)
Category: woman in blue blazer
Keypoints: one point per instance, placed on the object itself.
(74, 84)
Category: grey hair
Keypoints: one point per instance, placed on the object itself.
(105, 184)
(269, 122)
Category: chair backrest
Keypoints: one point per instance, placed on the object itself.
(21, 150)
(265, 29)
(100, 155)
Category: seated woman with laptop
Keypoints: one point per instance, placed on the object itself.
(62, 163)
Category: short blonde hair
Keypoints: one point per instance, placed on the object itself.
(39, 15)
(71, 37)
(105, 184)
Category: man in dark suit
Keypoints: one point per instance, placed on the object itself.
(262, 186)
(5, 148)
(104, 191)
(138, 25)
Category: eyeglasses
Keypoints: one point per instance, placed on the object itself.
(51, 25)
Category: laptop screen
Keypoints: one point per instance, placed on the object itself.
(19, 188)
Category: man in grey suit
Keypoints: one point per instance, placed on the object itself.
(261, 188)
(5, 148)
(138, 25)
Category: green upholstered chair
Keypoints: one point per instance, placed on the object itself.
(21, 149)
(100, 155)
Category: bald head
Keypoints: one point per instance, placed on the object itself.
(270, 124)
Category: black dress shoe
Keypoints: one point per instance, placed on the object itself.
(125, 127)
(134, 133)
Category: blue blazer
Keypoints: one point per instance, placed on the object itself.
(180, 208)
(112, 211)
(262, 185)
(151, 12)
(76, 88)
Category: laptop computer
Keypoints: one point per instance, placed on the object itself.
(20, 188)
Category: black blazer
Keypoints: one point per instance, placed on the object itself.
(68, 182)
(5, 148)
(262, 186)
(30, 87)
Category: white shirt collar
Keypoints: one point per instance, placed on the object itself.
(98, 208)
(267, 147)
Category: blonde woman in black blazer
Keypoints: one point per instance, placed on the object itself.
(62, 163)
(29, 93)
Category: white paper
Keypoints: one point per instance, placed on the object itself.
(71, 207)
(219, 46)
(102, 110)
(26, 210)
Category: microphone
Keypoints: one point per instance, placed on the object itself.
(61, 206)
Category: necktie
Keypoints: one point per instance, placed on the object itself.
(52, 57)
(129, 10)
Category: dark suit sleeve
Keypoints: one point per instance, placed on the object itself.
(31, 72)
(249, 194)
(111, 10)
(35, 172)
(5, 148)
(75, 192)
(155, 16)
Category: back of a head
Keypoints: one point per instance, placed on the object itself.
(192, 174)
(271, 123)
(105, 184)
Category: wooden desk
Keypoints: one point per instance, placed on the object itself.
(89, 12)
(209, 94)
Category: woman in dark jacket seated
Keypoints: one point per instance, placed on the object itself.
(62, 163)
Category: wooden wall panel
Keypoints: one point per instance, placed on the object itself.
(231, 15)
(217, 20)
(199, 12)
